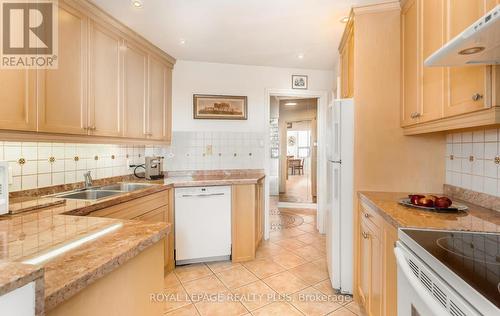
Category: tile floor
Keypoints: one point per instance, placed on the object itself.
(288, 277)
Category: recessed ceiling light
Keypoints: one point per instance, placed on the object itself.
(137, 3)
(182, 42)
(291, 103)
(344, 19)
(300, 56)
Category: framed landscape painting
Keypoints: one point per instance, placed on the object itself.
(220, 107)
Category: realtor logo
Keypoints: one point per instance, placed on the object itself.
(29, 34)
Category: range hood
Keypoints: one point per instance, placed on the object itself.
(479, 44)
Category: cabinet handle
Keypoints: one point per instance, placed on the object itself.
(366, 215)
(477, 97)
(365, 235)
(415, 115)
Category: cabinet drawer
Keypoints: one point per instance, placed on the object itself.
(134, 208)
(370, 216)
(157, 215)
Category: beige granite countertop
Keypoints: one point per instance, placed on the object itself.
(47, 222)
(476, 218)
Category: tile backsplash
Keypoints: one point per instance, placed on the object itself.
(212, 151)
(473, 160)
(35, 164)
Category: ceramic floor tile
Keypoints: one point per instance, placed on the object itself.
(188, 310)
(263, 268)
(170, 280)
(176, 297)
(308, 238)
(307, 228)
(207, 285)
(309, 253)
(269, 252)
(285, 283)
(342, 312)
(325, 287)
(288, 260)
(312, 302)
(321, 263)
(225, 305)
(221, 266)
(192, 272)
(236, 277)
(277, 309)
(310, 273)
(255, 295)
(290, 243)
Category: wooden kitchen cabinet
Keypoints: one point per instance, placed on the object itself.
(110, 85)
(62, 92)
(135, 91)
(346, 51)
(443, 98)
(156, 207)
(376, 272)
(18, 100)
(105, 106)
(247, 216)
(159, 110)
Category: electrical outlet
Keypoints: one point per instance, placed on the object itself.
(208, 150)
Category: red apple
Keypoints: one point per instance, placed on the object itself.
(414, 198)
(443, 202)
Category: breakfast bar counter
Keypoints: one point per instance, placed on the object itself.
(476, 218)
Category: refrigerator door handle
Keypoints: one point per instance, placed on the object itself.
(337, 161)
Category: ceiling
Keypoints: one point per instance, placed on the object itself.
(249, 32)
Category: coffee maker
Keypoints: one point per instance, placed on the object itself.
(154, 168)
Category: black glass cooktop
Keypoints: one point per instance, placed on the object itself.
(475, 257)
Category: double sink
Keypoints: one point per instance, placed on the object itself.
(97, 193)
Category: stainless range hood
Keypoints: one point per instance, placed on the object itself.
(479, 44)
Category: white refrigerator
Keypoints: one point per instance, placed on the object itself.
(340, 186)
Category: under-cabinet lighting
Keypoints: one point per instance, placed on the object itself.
(72, 245)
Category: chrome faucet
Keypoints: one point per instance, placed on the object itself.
(88, 179)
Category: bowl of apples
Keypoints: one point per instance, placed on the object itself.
(432, 203)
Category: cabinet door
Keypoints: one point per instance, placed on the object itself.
(159, 92)
(432, 38)
(465, 82)
(63, 91)
(365, 259)
(376, 281)
(347, 67)
(17, 100)
(410, 71)
(135, 88)
(105, 110)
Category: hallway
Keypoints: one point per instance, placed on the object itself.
(298, 190)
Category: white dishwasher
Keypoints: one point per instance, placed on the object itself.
(202, 224)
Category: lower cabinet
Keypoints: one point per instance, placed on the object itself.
(155, 207)
(247, 220)
(376, 283)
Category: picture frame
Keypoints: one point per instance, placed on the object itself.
(300, 82)
(219, 107)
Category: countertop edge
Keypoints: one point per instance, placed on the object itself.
(379, 211)
(67, 291)
(27, 273)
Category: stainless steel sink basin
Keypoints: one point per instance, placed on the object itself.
(88, 194)
(125, 187)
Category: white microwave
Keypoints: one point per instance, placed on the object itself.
(4, 187)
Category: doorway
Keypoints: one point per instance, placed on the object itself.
(293, 180)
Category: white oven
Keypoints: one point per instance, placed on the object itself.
(4, 187)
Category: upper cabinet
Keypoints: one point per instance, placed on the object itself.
(442, 98)
(105, 106)
(346, 62)
(110, 83)
(135, 91)
(62, 92)
(17, 100)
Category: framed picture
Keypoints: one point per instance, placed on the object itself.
(220, 107)
(299, 82)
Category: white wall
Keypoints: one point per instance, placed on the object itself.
(252, 81)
